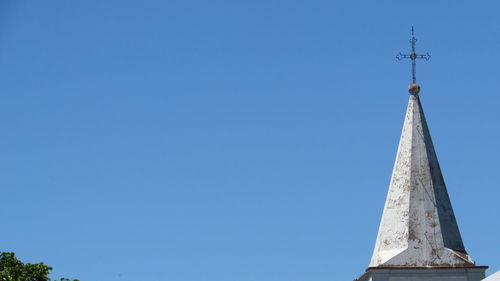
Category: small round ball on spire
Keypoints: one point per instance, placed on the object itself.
(414, 89)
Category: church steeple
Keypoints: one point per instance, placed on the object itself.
(418, 226)
(418, 237)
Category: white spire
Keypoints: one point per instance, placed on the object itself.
(418, 227)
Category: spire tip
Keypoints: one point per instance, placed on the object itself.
(414, 89)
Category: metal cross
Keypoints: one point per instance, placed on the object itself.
(413, 56)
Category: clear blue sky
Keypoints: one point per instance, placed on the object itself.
(234, 140)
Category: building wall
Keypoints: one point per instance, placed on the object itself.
(425, 274)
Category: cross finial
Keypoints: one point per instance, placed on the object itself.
(413, 56)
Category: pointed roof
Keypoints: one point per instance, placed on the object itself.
(418, 226)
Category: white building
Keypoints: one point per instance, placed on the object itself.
(418, 238)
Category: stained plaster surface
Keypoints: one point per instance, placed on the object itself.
(418, 226)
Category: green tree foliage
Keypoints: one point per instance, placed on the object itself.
(12, 269)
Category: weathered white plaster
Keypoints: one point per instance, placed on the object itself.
(418, 226)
